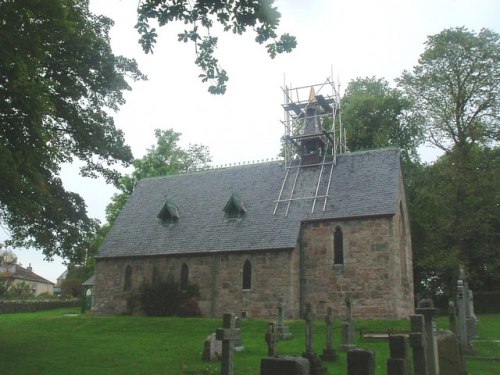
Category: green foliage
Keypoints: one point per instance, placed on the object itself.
(18, 290)
(379, 116)
(163, 297)
(456, 220)
(236, 16)
(77, 274)
(455, 87)
(58, 80)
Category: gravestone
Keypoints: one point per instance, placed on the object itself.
(284, 365)
(329, 354)
(348, 337)
(397, 364)
(228, 334)
(238, 342)
(283, 330)
(451, 359)
(471, 318)
(315, 365)
(271, 340)
(462, 305)
(452, 316)
(212, 349)
(426, 308)
(418, 342)
(360, 362)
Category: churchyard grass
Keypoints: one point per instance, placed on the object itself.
(66, 342)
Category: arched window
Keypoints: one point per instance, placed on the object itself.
(247, 275)
(128, 279)
(338, 246)
(184, 280)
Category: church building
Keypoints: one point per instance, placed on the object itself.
(311, 229)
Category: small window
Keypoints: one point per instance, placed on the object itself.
(128, 279)
(235, 207)
(247, 275)
(184, 280)
(169, 214)
(338, 246)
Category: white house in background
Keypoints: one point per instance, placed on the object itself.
(18, 274)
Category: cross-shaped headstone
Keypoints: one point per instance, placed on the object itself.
(228, 334)
(309, 317)
(271, 340)
(329, 354)
(418, 344)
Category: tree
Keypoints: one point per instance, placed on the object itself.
(164, 158)
(58, 79)
(376, 115)
(455, 87)
(235, 16)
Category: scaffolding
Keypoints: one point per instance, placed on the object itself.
(312, 121)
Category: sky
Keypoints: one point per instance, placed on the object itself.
(339, 39)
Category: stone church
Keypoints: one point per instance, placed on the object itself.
(313, 229)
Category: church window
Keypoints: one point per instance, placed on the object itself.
(235, 207)
(247, 275)
(184, 280)
(338, 246)
(128, 279)
(169, 214)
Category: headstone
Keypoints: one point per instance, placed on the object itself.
(397, 364)
(271, 340)
(360, 362)
(315, 365)
(471, 318)
(284, 365)
(462, 305)
(228, 334)
(418, 342)
(348, 336)
(329, 354)
(427, 309)
(238, 342)
(283, 330)
(212, 349)
(452, 316)
(451, 359)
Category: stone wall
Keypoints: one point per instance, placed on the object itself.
(218, 276)
(8, 307)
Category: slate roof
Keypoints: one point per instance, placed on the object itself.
(362, 184)
(15, 271)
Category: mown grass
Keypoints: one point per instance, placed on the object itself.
(65, 342)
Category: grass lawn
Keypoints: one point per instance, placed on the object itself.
(65, 342)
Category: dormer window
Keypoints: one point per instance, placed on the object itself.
(169, 214)
(235, 207)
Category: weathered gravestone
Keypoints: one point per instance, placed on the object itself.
(315, 365)
(284, 365)
(212, 349)
(283, 330)
(451, 359)
(462, 305)
(271, 340)
(348, 338)
(228, 334)
(397, 364)
(360, 362)
(426, 308)
(418, 343)
(329, 354)
(452, 316)
(238, 342)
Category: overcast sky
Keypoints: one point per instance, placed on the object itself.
(355, 38)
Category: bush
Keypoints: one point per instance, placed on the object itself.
(163, 297)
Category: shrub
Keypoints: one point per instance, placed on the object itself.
(163, 297)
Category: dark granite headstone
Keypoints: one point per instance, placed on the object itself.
(426, 308)
(418, 342)
(284, 365)
(397, 364)
(360, 362)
